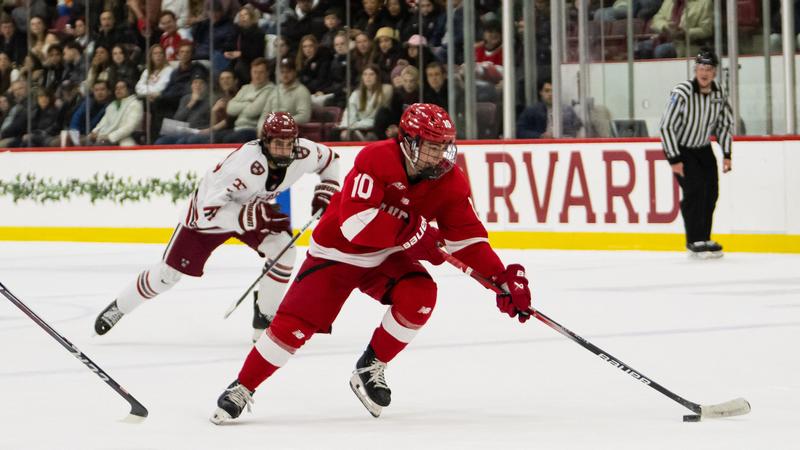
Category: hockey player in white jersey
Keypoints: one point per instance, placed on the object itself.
(234, 200)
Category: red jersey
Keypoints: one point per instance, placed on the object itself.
(363, 222)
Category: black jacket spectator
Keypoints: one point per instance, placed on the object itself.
(197, 115)
(12, 41)
(314, 72)
(307, 19)
(250, 45)
(224, 37)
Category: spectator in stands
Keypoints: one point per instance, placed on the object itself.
(121, 67)
(32, 69)
(283, 50)
(313, 64)
(397, 73)
(5, 72)
(193, 110)
(290, 96)
(433, 22)
(776, 21)
(74, 62)
(180, 13)
(110, 34)
(5, 107)
(100, 68)
(387, 52)
(246, 106)
(435, 90)
(37, 33)
(15, 122)
(227, 88)
(415, 46)
(396, 16)
(44, 123)
(642, 9)
(536, 122)
(179, 84)
(333, 25)
(81, 35)
(12, 41)
(370, 19)
(171, 36)
(156, 76)
(489, 53)
(123, 116)
(68, 99)
(362, 55)
(335, 93)
(53, 68)
(95, 107)
(308, 18)
(358, 121)
(386, 119)
(455, 41)
(249, 43)
(224, 37)
(673, 23)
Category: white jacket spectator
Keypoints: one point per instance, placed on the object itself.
(123, 116)
(156, 77)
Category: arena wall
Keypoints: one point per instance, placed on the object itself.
(567, 194)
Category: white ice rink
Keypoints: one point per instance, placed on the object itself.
(709, 331)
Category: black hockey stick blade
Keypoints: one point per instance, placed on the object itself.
(138, 412)
(272, 263)
(735, 407)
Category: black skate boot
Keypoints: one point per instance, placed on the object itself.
(108, 318)
(232, 402)
(369, 384)
(698, 250)
(714, 249)
(260, 321)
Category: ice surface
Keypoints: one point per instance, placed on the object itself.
(707, 330)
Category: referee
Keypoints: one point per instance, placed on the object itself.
(698, 109)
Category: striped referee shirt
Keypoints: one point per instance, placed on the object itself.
(692, 118)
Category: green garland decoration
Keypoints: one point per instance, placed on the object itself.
(100, 187)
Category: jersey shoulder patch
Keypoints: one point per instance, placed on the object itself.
(257, 168)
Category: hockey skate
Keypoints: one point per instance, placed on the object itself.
(714, 249)
(108, 318)
(232, 402)
(260, 321)
(698, 250)
(369, 384)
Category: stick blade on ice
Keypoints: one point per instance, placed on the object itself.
(735, 407)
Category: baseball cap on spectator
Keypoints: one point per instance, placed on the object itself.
(333, 12)
(416, 40)
(386, 32)
(492, 25)
(287, 63)
(199, 75)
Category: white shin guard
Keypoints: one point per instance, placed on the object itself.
(273, 285)
(150, 283)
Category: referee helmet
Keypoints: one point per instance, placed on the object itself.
(708, 57)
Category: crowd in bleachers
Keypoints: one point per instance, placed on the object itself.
(197, 71)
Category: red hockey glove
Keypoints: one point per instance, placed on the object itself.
(322, 195)
(258, 215)
(421, 241)
(518, 300)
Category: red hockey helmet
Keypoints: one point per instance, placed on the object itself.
(280, 125)
(426, 122)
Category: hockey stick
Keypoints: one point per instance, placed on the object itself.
(274, 261)
(138, 411)
(735, 407)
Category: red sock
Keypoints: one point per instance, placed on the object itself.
(255, 370)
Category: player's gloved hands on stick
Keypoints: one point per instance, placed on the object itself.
(322, 195)
(518, 300)
(258, 215)
(421, 241)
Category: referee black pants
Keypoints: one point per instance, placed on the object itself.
(700, 185)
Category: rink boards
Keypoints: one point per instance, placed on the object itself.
(568, 194)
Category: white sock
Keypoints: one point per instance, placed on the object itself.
(150, 283)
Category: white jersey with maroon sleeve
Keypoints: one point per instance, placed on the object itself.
(244, 175)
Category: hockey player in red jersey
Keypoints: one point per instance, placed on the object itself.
(372, 238)
(232, 200)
